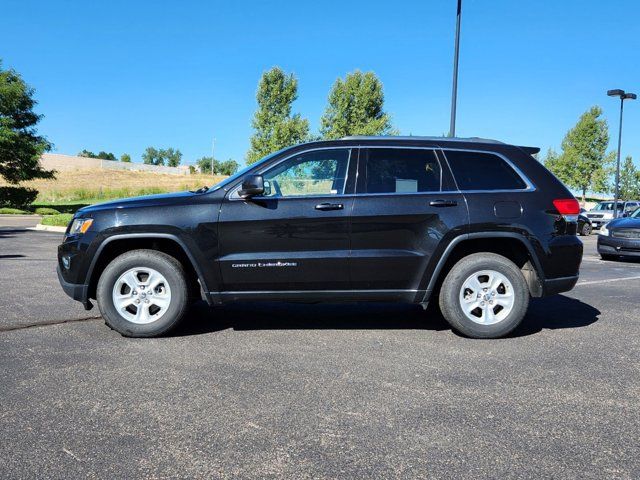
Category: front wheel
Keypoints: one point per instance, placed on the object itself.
(143, 293)
(484, 295)
(586, 230)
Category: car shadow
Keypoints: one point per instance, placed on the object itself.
(557, 312)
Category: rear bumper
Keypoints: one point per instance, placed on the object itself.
(618, 246)
(76, 291)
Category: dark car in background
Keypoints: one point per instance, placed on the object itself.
(620, 237)
(584, 224)
(476, 225)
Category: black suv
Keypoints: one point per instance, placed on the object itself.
(477, 224)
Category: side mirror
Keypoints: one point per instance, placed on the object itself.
(251, 186)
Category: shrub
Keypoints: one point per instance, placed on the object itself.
(61, 220)
(17, 197)
(13, 211)
(46, 211)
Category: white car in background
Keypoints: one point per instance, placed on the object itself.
(602, 213)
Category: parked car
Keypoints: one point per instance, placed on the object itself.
(476, 225)
(584, 224)
(602, 213)
(620, 237)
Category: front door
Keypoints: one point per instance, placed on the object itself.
(295, 237)
(406, 208)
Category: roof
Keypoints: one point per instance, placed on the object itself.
(488, 141)
(431, 139)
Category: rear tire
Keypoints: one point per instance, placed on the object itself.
(143, 293)
(484, 295)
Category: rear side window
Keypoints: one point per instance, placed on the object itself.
(402, 170)
(483, 171)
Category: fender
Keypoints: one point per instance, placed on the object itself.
(470, 236)
(168, 236)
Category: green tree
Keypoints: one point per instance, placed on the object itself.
(161, 156)
(275, 127)
(125, 158)
(228, 167)
(629, 180)
(174, 157)
(584, 164)
(20, 145)
(356, 107)
(151, 156)
(102, 155)
(86, 153)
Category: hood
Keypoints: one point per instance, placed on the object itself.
(144, 201)
(626, 222)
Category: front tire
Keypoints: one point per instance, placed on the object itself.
(143, 293)
(484, 295)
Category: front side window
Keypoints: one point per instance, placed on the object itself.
(402, 170)
(320, 172)
(483, 171)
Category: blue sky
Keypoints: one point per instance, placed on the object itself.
(123, 75)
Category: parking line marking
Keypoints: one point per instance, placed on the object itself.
(608, 280)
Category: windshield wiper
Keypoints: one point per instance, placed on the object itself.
(200, 190)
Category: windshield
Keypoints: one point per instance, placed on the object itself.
(241, 172)
(636, 213)
(606, 206)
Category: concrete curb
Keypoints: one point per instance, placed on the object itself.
(48, 228)
(7, 215)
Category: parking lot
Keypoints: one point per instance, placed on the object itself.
(320, 391)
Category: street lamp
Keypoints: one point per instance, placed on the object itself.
(623, 96)
(454, 92)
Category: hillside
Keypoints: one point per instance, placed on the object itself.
(90, 186)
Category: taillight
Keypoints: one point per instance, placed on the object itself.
(569, 208)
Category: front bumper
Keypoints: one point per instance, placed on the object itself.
(76, 291)
(608, 245)
(552, 286)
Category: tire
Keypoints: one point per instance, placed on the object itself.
(586, 230)
(606, 256)
(490, 318)
(150, 316)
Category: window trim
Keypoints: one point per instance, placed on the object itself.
(530, 187)
(233, 191)
(355, 155)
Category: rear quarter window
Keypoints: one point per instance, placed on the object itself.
(483, 171)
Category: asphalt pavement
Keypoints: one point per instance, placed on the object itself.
(321, 391)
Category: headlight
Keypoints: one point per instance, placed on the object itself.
(80, 225)
(604, 231)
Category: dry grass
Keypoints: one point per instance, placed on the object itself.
(92, 185)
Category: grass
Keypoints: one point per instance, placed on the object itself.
(61, 220)
(46, 211)
(13, 211)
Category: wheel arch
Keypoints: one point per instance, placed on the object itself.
(170, 244)
(514, 246)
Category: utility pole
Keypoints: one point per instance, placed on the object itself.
(456, 54)
(213, 150)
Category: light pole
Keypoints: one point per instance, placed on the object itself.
(623, 96)
(454, 92)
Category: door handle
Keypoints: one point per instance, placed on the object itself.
(329, 206)
(443, 203)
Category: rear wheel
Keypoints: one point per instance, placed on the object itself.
(143, 293)
(484, 295)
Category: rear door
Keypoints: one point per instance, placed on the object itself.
(295, 237)
(406, 209)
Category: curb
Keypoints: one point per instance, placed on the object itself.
(11, 215)
(48, 228)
